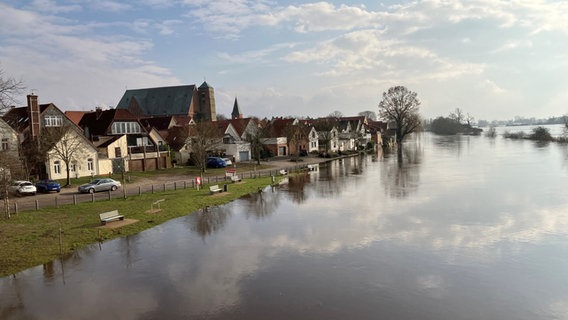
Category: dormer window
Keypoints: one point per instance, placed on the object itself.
(53, 121)
(125, 127)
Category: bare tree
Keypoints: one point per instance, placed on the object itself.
(457, 115)
(368, 114)
(469, 119)
(324, 127)
(9, 88)
(400, 106)
(257, 138)
(336, 114)
(295, 134)
(204, 139)
(10, 168)
(64, 143)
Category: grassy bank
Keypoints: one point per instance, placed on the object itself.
(33, 237)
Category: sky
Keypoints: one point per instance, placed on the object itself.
(495, 60)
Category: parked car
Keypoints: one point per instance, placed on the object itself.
(215, 162)
(228, 162)
(21, 188)
(48, 185)
(102, 184)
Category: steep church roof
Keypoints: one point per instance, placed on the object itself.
(161, 101)
(205, 85)
(236, 113)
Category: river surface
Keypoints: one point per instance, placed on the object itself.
(462, 228)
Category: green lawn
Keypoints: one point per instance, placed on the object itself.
(31, 238)
(177, 171)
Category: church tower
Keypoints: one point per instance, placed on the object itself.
(207, 109)
(236, 113)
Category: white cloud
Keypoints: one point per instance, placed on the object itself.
(52, 6)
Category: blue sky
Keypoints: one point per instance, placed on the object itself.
(493, 59)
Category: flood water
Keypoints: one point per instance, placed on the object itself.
(462, 228)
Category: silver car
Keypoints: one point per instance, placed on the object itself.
(102, 184)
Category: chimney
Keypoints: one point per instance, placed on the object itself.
(99, 111)
(33, 111)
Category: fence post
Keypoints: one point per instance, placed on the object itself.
(15, 207)
(152, 189)
(139, 190)
(37, 205)
(175, 186)
(93, 197)
(164, 186)
(56, 202)
(109, 196)
(75, 199)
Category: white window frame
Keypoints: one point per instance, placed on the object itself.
(90, 164)
(53, 121)
(57, 167)
(5, 144)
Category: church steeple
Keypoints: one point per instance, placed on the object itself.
(236, 114)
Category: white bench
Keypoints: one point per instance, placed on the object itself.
(235, 178)
(215, 188)
(283, 172)
(157, 203)
(110, 216)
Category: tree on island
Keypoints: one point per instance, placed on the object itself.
(399, 107)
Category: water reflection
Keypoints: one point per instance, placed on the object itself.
(401, 178)
(209, 220)
(466, 237)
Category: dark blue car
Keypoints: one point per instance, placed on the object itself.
(215, 162)
(48, 185)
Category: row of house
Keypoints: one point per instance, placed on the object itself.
(149, 130)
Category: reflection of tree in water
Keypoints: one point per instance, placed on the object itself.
(261, 204)
(328, 182)
(13, 306)
(296, 187)
(401, 176)
(209, 220)
(357, 164)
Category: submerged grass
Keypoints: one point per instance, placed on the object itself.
(31, 238)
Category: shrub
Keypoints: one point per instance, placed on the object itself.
(540, 134)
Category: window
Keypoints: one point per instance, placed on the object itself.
(53, 121)
(90, 165)
(125, 127)
(57, 167)
(73, 166)
(143, 141)
(117, 153)
(5, 145)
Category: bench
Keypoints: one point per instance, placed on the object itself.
(157, 203)
(232, 174)
(215, 188)
(110, 216)
(283, 172)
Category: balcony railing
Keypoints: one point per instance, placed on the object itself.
(147, 149)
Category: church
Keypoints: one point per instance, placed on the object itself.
(190, 101)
